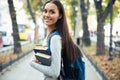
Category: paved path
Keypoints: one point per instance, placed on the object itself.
(21, 70)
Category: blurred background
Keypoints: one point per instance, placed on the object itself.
(93, 24)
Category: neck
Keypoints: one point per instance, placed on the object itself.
(49, 30)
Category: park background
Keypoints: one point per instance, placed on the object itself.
(93, 24)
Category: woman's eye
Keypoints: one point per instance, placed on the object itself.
(52, 12)
(45, 11)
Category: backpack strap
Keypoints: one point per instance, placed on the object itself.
(54, 32)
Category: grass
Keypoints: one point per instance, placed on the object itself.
(110, 68)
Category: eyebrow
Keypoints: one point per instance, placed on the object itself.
(48, 9)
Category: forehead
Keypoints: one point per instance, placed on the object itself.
(50, 6)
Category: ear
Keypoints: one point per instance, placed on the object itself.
(60, 16)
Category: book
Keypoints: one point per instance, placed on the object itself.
(42, 55)
(43, 58)
(42, 49)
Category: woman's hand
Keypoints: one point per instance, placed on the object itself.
(35, 60)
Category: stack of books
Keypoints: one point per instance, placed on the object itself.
(42, 56)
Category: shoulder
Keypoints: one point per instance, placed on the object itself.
(55, 35)
(56, 32)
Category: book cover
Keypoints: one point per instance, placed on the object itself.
(43, 58)
(39, 48)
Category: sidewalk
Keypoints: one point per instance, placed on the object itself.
(21, 70)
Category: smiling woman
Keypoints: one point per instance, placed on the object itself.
(51, 14)
(61, 47)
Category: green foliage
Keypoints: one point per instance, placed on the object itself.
(36, 6)
(104, 4)
(114, 12)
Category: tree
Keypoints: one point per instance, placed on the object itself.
(74, 5)
(34, 20)
(84, 12)
(35, 6)
(101, 17)
(17, 45)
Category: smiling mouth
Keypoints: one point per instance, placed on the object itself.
(47, 20)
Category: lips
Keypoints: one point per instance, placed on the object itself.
(47, 20)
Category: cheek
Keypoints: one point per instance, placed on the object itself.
(43, 16)
(56, 18)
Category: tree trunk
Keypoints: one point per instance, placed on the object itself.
(17, 45)
(100, 39)
(86, 35)
(101, 16)
(34, 21)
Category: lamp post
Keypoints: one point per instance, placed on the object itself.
(111, 25)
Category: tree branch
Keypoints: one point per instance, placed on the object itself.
(107, 10)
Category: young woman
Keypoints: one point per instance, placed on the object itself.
(61, 44)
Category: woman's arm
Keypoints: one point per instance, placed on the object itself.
(54, 69)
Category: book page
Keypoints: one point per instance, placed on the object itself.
(41, 47)
(43, 55)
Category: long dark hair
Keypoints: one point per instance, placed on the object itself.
(70, 51)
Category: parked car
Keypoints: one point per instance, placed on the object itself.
(6, 39)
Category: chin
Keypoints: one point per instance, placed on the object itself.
(48, 24)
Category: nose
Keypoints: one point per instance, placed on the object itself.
(47, 14)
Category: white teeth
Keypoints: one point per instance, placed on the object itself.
(47, 19)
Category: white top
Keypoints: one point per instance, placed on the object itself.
(52, 71)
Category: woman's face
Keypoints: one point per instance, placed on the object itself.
(50, 14)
